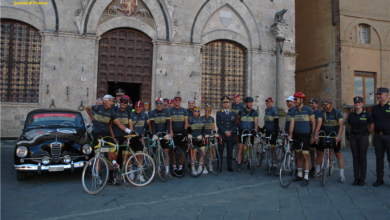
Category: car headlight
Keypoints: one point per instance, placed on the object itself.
(45, 160)
(21, 151)
(67, 159)
(87, 149)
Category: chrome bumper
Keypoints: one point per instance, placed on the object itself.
(39, 167)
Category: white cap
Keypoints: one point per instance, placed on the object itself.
(107, 97)
(191, 100)
(290, 98)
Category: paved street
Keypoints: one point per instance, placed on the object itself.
(226, 196)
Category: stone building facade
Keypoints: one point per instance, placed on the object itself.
(90, 47)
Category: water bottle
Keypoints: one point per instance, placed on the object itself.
(115, 164)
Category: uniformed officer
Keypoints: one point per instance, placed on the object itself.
(271, 123)
(226, 123)
(313, 147)
(118, 94)
(381, 115)
(191, 105)
(358, 122)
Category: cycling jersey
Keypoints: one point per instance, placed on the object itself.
(177, 118)
(330, 121)
(196, 126)
(189, 112)
(208, 124)
(317, 114)
(160, 120)
(123, 117)
(237, 108)
(139, 121)
(302, 120)
(270, 115)
(247, 119)
(288, 119)
(102, 118)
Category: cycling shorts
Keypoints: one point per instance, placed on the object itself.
(273, 138)
(178, 140)
(305, 138)
(136, 144)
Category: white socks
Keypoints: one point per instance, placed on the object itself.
(341, 172)
(300, 172)
(318, 167)
(307, 174)
(167, 169)
(174, 167)
(180, 167)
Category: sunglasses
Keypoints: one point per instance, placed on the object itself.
(325, 104)
(267, 101)
(208, 110)
(288, 101)
(177, 100)
(125, 103)
(196, 111)
(159, 103)
(295, 99)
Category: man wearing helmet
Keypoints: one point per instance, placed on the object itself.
(300, 130)
(104, 114)
(247, 119)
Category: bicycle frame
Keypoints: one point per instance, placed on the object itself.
(326, 150)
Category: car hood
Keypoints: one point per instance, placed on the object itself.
(38, 136)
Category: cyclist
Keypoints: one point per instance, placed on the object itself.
(101, 120)
(247, 118)
(160, 121)
(209, 126)
(191, 105)
(237, 106)
(358, 122)
(330, 121)
(291, 107)
(179, 125)
(170, 103)
(195, 130)
(300, 130)
(381, 115)
(313, 147)
(146, 107)
(271, 123)
(165, 105)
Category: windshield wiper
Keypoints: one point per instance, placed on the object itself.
(58, 125)
(42, 126)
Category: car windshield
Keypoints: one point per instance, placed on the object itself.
(55, 119)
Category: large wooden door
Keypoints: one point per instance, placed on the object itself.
(125, 56)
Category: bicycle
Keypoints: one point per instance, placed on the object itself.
(213, 158)
(279, 152)
(176, 156)
(328, 161)
(259, 149)
(193, 156)
(161, 157)
(268, 155)
(95, 173)
(248, 149)
(288, 166)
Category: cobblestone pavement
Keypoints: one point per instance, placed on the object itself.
(226, 196)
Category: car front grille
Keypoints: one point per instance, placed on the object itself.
(56, 151)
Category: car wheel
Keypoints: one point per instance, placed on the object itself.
(21, 176)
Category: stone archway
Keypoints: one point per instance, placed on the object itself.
(125, 56)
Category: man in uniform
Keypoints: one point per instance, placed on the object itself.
(191, 105)
(247, 119)
(118, 93)
(170, 103)
(237, 106)
(331, 121)
(381, 115)
(313, 147)
(271, 123)
(165, 105)
(179, 128)
(226, 123)
(291, 107)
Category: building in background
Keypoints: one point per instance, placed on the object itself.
(65, 54)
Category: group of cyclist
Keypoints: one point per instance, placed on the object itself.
(303, 123)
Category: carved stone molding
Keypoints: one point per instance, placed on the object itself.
(279, 29)
(79, 15)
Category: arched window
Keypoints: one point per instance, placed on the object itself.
(224, 72)
(20, 62)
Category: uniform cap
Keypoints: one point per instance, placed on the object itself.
(225, 99)
(314, 100)
(138, 104)
(357, 99)
(120, 92)
(381, 90)
(269, 99)
(170, 101)
(159, 99)
(290, 98)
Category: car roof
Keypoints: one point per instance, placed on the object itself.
(52, 110)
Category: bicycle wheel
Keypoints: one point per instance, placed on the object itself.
(278, 156)
(177, 158)
(251, 159)
(213, 160)
(269, 160)
(325, 167)
(287, 169)
(259, 154)
(95, 175)
(140, 169)
(332, 162)
(244, 154)
(160, 164)
(198, 166)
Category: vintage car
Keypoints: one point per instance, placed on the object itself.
(53, 140)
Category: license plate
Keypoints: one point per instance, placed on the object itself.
(103, 150)
(56, 169)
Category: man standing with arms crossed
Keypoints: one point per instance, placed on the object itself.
(226, 123)
(381, 115)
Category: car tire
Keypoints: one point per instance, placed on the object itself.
(21, 176)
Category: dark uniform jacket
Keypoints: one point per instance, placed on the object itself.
(226, 123)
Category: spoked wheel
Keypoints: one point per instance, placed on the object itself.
(251, 159)
(177, 158)
(244, 154)
(161, 158)
(287, 169)
(152, 155)
(213, 161)
(278, 156)
(140, 169)
(269, 160)
(332, 162)
(95, 175)
(197, 156)
(325, 167)
(259, 154)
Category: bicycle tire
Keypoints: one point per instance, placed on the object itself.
(160, 165)
(332, 162)
(244, 155)
(279, 154)
(259, 154)
(152, 155)
(251, 159)
(215, 162)
(198, 154)
(287, 170)
(325, 168)
(99, 179)
(176, 155)
(147, 169)
(269, 160)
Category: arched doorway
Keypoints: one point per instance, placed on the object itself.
(224, 71)
(125, 61)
